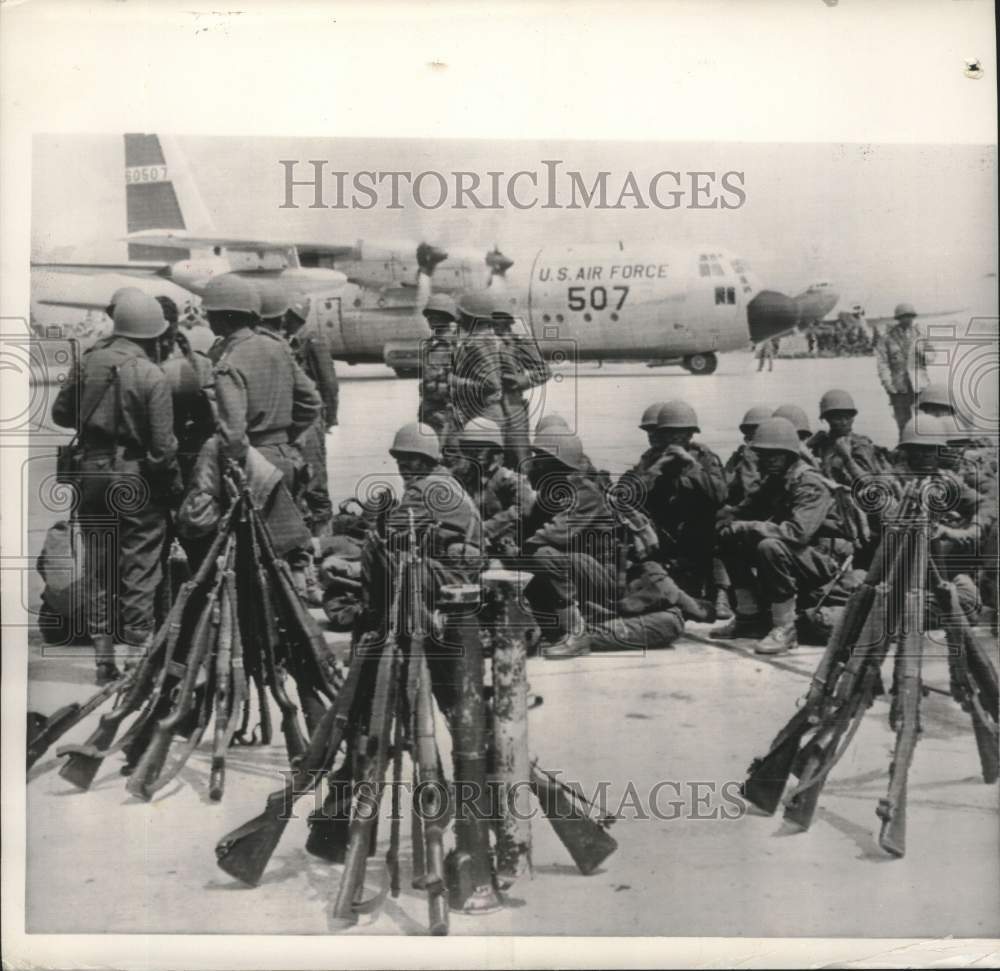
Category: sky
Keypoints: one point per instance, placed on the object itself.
(882, 223)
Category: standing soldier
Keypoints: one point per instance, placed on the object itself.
(768, 542)
(901, 364)
(312, 353)
(263, 397)
(437, 364)
(477, 379)
(522, 368)
(120, 404)
(273, 305)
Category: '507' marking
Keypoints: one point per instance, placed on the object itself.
(578, 298)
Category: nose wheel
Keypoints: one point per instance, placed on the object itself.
(701, 363)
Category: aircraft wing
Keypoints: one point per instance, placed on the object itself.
(186, 241)
(90, 269)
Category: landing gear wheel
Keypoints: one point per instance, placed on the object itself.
(701, 363)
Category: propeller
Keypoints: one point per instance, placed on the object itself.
(498, 263)
(428, 258)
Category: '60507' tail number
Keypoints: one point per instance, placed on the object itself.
(597, 298)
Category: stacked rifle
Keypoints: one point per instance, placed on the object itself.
(385, 711)
(237, 623)
(889, 608)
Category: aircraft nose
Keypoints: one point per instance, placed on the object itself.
(770, 313)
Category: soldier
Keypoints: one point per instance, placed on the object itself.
(648, 424)
(901, 364)
(961, 527)
(768, 542)
(312, 353)
(504, 497)
(437, 365)
(522, 368)
(477, 377)
(742, 476)
(800, 421)
(273, 305)
(767, 351)
(263, 397)
(683, 488)
(571, 541)
(120, 404)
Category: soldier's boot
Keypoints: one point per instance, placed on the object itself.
(782, 637)
(722, 609)
(748, 620)
(575, 641)
(104, 654)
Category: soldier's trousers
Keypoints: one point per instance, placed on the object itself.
(649, 631)
(123, 524)
(316, 491)
(902, 407)
(560, 579)
(774, 569)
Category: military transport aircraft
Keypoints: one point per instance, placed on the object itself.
(672, 303)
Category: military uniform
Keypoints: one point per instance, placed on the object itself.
(788, 513)
(192, 385)
(312, 354)
(522, 368)
(476, 380)
(901, 369)
(741, 474)
(503, 500)
(130, 478)
(263, 399)
(436, 408)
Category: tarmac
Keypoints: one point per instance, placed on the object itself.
(665, 737)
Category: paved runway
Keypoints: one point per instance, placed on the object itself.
(690, 719)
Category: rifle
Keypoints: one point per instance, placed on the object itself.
(223, 685)
(853, 692)
(85, 760)
(43, 731)
(588, 841)
(966, 688)
(245, 852)
(145, 779)
(295, 743)
(430, 815)
(892, 809)
(368, 791)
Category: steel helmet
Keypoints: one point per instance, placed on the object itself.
(650, 416)
(755, 416)
(300, 308)
(138, 315)
(273, 299)
(955, 432)
(441, 303)
(935, 394)
(795, 415)
(925, 431)
(776, 435)
(482, 430)
(677, 414)
(836, 400)
(231, 292)
(483, 303)
(116, 296)
(416, 439)
(904, 310)
(567, 449)
(551, 421)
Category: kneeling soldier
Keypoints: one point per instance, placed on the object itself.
(767, 541)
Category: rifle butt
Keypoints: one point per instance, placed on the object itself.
(143, 778)
(352, 880)
(42, 733)
(245, 852)
(802, 806)
(84, 761)
(767, 776)
(588, 843)
(986, 743)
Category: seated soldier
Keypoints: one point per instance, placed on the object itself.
(800, 420)
(681, 489)
(960, 526)
(742, 476)
(768, 542)
(571, 534)
(502, 496)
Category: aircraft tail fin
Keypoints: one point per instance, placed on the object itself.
(160, 194)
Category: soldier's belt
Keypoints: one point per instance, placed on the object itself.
(274, 436)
